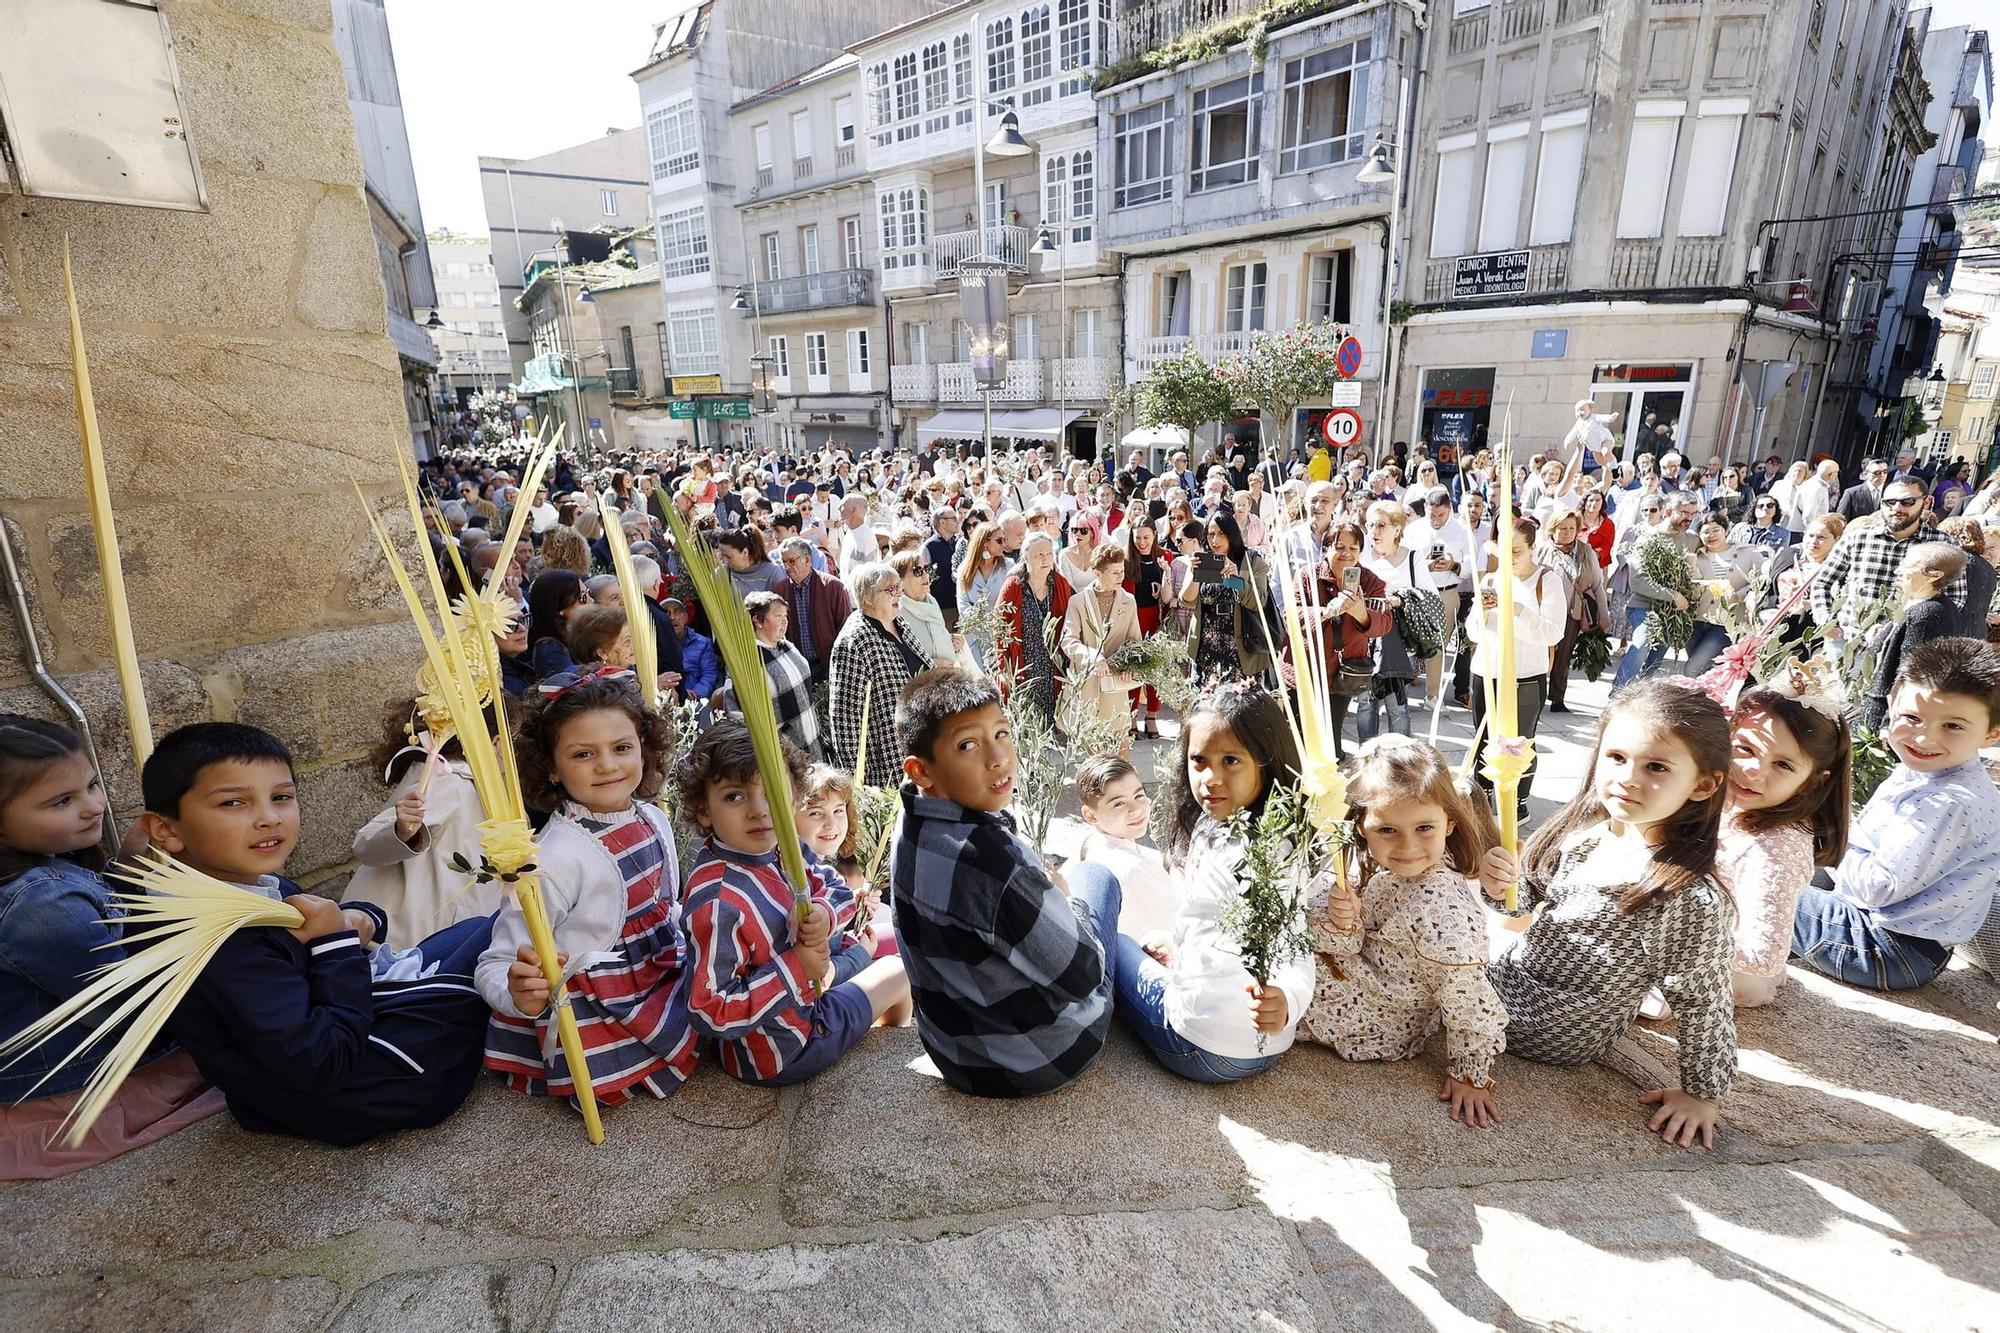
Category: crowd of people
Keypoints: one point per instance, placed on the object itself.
(906, 608)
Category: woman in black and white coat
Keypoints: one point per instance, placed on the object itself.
(873, 658)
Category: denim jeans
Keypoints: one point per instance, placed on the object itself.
(1704, 646)
(1833, 935)
(1368, 714)
(1140, 985)
(1643, 656)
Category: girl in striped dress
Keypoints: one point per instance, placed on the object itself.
(592, 752)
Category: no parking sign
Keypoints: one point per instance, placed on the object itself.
(1347, 357)
(1342, 427)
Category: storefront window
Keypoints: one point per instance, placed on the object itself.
(1456, 409)
(1647, 405)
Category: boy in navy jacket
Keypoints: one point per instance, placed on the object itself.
(310, 1031)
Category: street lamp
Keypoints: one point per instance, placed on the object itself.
(1045, 246)
(1007, 141)
(1380, 169)
(569, 338)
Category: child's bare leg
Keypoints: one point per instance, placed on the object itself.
(888, 990)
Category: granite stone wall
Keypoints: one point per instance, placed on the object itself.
(244, 379)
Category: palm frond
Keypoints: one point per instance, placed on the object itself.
(736, 644)
(645, 652)
(180, 917)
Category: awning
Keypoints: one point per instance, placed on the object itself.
(957, 425)
(1155, 437)
(1043, 423)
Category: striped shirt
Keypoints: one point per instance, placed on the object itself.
(1012, 994)
(748, 988)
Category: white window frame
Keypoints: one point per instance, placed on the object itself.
(1983, 378)
(850, 243)
(905, 217)
(697, 339)
(1711, 172)
(802, 135)
(843, 119)
(1451, 219)
(936, 78)
(1144, 135)
(1086, 335)
(1000, 63)
(1565, 139)
(1348, 61)
(1246, 297)
(608, 202)
(1076, 47)
(1326, 273)
(760, 146)
(1649, 168)
(860, 361)
(774, 256)
(1038, 53)
(961, 73)
(816, 363)
(1245, 91)
(1504, 184)
(673, 139)
(682, 238)
(780, 351)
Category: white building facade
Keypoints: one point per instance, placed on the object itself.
(1231, 193)
(934, 92)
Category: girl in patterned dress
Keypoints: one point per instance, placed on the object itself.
(591, 751)
(1629, 898)
(1407, 954)
(1790, 798)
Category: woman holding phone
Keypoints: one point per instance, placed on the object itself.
(1349, 603)
(1227, 589)
(1149, 578)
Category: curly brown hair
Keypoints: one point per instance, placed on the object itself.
(541, 727)
(724, 753)
(388, 755)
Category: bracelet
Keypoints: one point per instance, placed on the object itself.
(1488, 1086)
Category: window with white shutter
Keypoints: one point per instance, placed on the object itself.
(1649, 166)
(1451, 213)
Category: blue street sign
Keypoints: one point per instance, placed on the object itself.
(1550, 343)
(595, 424)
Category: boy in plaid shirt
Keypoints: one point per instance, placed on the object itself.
(787, 670)
(1011, 989)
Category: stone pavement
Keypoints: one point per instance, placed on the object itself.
(1856, 1184)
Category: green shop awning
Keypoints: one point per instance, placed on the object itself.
(543, 374)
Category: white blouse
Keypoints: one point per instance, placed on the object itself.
(1540, 617)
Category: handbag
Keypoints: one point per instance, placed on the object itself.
(1420, 620)
(1352, 676)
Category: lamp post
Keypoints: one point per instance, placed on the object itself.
(1045, 247)
(570, 353)
(1375, 171)
(1007, 142)
(752, 304)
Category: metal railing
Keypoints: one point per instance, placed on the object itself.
(1009, 245)
(1571, 11)
(764, 178)
(1084, 379)
(815, 291)
(1152, 23)
(624, 381)
(843, 156)
(1548, 271)
(802, 168)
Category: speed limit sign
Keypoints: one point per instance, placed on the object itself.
(1341, 427)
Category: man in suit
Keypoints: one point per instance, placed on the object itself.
(1866, 496)
(819, 605)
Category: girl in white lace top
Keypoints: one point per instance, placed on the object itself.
(1790, 797)
(1407, 954)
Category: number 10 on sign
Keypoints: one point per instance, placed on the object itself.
(1342, 427)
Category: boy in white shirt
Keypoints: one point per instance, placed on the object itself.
(1116, 807)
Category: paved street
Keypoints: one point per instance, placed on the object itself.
(1856, 1184)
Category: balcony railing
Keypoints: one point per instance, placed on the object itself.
(955, 383)
(1468, 33)
(1634, 263)
(1521, 18)
(1569, 11)
(1009, 245)
(913, 384)
(1149, 352)
(1084, 379)
(802, 168)
(816, 291)
(1696, 262)
(843, 156)
(1150, 23)
(624, 381)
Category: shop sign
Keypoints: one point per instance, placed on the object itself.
(1502, 273)
(1453, 428)
(1458, 397)
(723, 409)
(1634, 374)
(686, 386)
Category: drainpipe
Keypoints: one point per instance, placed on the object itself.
(25, 622)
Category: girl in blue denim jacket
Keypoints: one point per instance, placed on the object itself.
(54, 932)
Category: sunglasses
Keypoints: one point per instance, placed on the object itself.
(1904, 502)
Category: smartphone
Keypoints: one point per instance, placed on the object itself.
(1437, 551)
(1350, 579)
(1207, 568)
